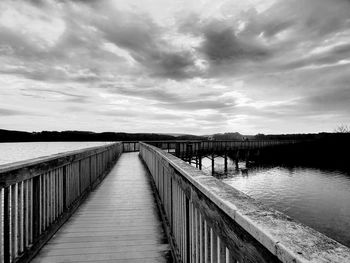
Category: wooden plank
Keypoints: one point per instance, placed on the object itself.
(52, 251)
(109, 243)
(130, 255)
(107, 228)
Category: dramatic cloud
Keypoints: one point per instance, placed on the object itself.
(175, 66)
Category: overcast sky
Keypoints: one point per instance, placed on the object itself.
(181, 66)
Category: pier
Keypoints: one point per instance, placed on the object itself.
(137, 202)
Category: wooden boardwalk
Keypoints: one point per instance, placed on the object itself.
(119, 222)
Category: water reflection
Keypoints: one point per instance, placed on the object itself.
(318, 198)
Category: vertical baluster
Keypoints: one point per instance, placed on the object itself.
(193, 251)
(61, 191)
(188, 231)
(43, 199)
(196, 215)
(207, 254)
(228, 257)
(14, 216)
(53, 195)
(47, 199)
(6, 223)
(25, 214)
(213, 247)
(201, 237)
(184, 221)
(30, 211)
(50, 197)
(221, 251)
(57, 182)
(36, 208)
(180, 222)
(71, 185)
(56, 193)
(73, 182)
(1, 225)
(76, 176)
(20, 218)
(68, 184)
(41, 204)
(175, 211)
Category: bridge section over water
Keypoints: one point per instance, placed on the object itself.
(102, 204)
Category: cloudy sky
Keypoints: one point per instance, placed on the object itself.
(184, 66)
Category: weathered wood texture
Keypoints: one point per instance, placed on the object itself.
(39, 195)
(118, 222)
(213, 222)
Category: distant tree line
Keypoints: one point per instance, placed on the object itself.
(228, 136)
(21, 136)
(303, 136)
(327, 150)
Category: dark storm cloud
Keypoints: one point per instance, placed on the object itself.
(143, 39)
(222, 45)
(279, 38)
(84, 35)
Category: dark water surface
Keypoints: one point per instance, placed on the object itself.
(316, 197)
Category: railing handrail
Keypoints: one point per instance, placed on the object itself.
(53, 161)
(287, 239)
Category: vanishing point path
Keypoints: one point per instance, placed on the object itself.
(118, 222)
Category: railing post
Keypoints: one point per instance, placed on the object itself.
(188, 234)
(36, 207)
(64, 188)
(6, 224)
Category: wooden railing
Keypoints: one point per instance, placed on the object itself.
(196, 147)
(131, 146)
(209, 221)
(39, 195)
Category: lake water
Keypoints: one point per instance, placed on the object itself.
(318, 198)
(14, 152)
